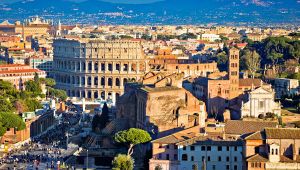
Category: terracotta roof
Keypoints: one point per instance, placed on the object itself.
(282, 133)
(175, 138)
(20, 71)
(239, 127)
(289, 160)
(12, 65)
(256, 136)
(249, 82)
(257, 158)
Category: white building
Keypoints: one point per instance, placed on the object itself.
(209, 37)
(211, 155)
(285, 86)
(260, 101)
(191, 150)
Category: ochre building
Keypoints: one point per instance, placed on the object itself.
(95, 69)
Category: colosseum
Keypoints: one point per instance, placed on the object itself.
(95, 69)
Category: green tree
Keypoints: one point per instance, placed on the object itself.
(125, 37)
(10, 120)
(251, 60)
(32, 104)
(123, 162)
(36, 77)
(6, 105)
(132, 137)
(33, 87)
(48, 82)
(61, 94)
(99, 122)
(6, 86)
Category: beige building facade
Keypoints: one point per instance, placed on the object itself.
(95, 69)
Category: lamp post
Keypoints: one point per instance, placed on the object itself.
(87, 159)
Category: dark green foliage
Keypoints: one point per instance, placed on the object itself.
(10, 120)
(6, 105)
(270, 115)
(100, 121)
(146, 37)
(261, 116)
(33, 87)
(123, 162)
(58, 93)
(48, 82)
(166, 37)
(36, 78)
(33, 104)
(187, 36)
(276, 50)
(132, 137)
(125, 37)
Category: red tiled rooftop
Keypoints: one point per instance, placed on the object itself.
(12, 65)
(20, 71)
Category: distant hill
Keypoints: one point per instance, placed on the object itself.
(166, 11)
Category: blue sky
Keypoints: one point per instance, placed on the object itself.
(132, 1)
(114, 1)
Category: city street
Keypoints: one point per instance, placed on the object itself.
(46, 151)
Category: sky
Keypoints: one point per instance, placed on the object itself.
(113, 1)
(132, 1)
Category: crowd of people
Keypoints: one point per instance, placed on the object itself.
(48, 149)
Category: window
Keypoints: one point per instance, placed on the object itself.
(219, 148)
(110, 67)
(214, 167)
(167, 157)
(276, 151)
(235, 167)
(175, 157)
(167, 146)
(208, 158)
(272, 152)
(235, 148)
(203, 158)
(227, 148)
(184, 148)
(203, 148)
(184, 157)
(227, 167)
(192, 158)
(208, 148)
(192, 148)
(219, 158)
(235, 159)
(227, 158)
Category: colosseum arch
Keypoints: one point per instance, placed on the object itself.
(117, 82)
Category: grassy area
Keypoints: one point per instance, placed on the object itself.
(289, 110)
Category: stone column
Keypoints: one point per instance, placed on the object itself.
(106, 67)
(86, 66)
(121, 67)
(121, 82)
(138, 68)
(92, 81)
(129, 67)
